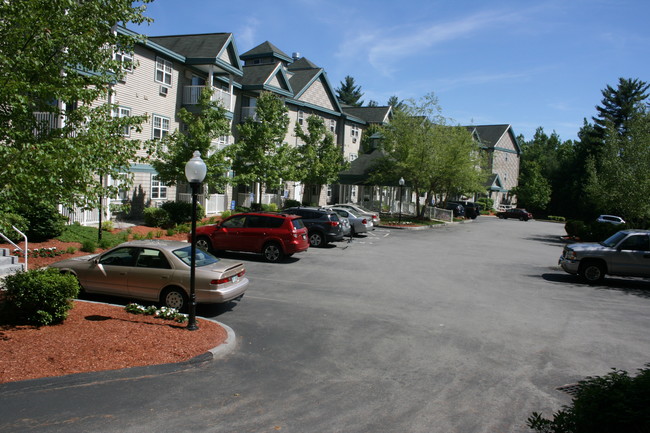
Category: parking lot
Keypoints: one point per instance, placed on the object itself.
(465, 328)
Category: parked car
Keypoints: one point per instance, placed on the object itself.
(359, 211)
(346, 225)
(457, 209)
(274, 235)
(611, 219)
(158, 271)
(323, 224)
(472, 209)
(359, 224)
(518, 213)
(625, 253)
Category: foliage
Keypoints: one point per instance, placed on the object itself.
(160, 313)
(592, 231)
(9, 220)
(556, 218)
(430, 155)
(45, 221)
(395, 102)
(319, 161)
(620, 105)
(181, 212)
(203, 127)
(271, 207)
(156, 217)
(291, 203)
(486, 203)
(40, 297)
(534, 189)
(615, 402)
(79, 233)
(57, 61)
(225, 214)
(368, 144)
(88, 246)
(349, 93)
(619, 180)
(261, 155)
(108, 226)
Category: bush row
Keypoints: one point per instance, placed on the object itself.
(592, 231)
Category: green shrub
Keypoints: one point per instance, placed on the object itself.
(70, 250)
(486, 203)
(291, 203)
(612, 403)
(156, 217)
(183, 228)
(45, 222)
(105, 243)
(88, 246)
(556, 218)
(7, 220)
(171, 232)
(108, 226)
(225, 214)
(40, 297)
(181, 212)
(573, 227)
(271, 207)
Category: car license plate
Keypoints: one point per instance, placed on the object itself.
(235, 278)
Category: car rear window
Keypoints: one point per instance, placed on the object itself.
(202, 258)
(297, 223)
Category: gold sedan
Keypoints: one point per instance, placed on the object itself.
(158, 271)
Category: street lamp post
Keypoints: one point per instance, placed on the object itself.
(195, 171)
(401, 185)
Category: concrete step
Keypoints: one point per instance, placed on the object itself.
(9, 264)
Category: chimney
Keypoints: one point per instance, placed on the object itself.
(296, 56)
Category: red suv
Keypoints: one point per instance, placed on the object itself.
(274, 235)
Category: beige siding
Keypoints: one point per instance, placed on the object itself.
(318, 95)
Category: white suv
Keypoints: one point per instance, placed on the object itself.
(611, 219)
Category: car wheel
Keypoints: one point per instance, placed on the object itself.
(204, 243)
(174, 298)
(272, 252)
(592, 272)
(522, 219)
(316, 239)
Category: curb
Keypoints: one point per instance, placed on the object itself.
(425, 227)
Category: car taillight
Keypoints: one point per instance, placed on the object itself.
(334, 223)
(228, 279)
(364, 221)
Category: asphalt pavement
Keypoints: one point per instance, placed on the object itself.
(465, 328)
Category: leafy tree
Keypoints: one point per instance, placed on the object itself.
(534, 190)
(432, 156)
(203, 126)
(372, 103)
(57, 62)
(367, 145)
(319, 159)
(619, 181)
(349, 93)
(261, 155)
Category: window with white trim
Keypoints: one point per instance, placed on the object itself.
(158, 189)
(332, 126)
(163, 71)
(126, 59)
(354, 132)
(160, 127)
(301, 117)
(123, 112)
(352, 157)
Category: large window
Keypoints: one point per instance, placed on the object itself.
(163, 71)
(123, 112)
(354, 131)
(158, 189)
(160, 127)
(301, 117)
(126, 59)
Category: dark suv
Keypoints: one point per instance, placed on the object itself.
(274, 235)
(324, 225)
(472, 209)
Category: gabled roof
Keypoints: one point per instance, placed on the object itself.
(360, 169)
(494, 183)
(300, 64)
(370, 114)
(489, 135)
(263, 50)
(204, 49)
(271, 77)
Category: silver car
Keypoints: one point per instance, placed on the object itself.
(360, 224)
(359, 211)
(159, 271)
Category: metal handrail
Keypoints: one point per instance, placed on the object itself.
(25, 251)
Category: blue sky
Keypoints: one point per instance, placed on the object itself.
(526, 63)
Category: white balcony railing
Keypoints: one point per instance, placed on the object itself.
(191, 96)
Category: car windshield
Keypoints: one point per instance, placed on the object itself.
(202, 258)
(613, 240)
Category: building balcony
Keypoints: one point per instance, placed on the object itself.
(191, 96)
